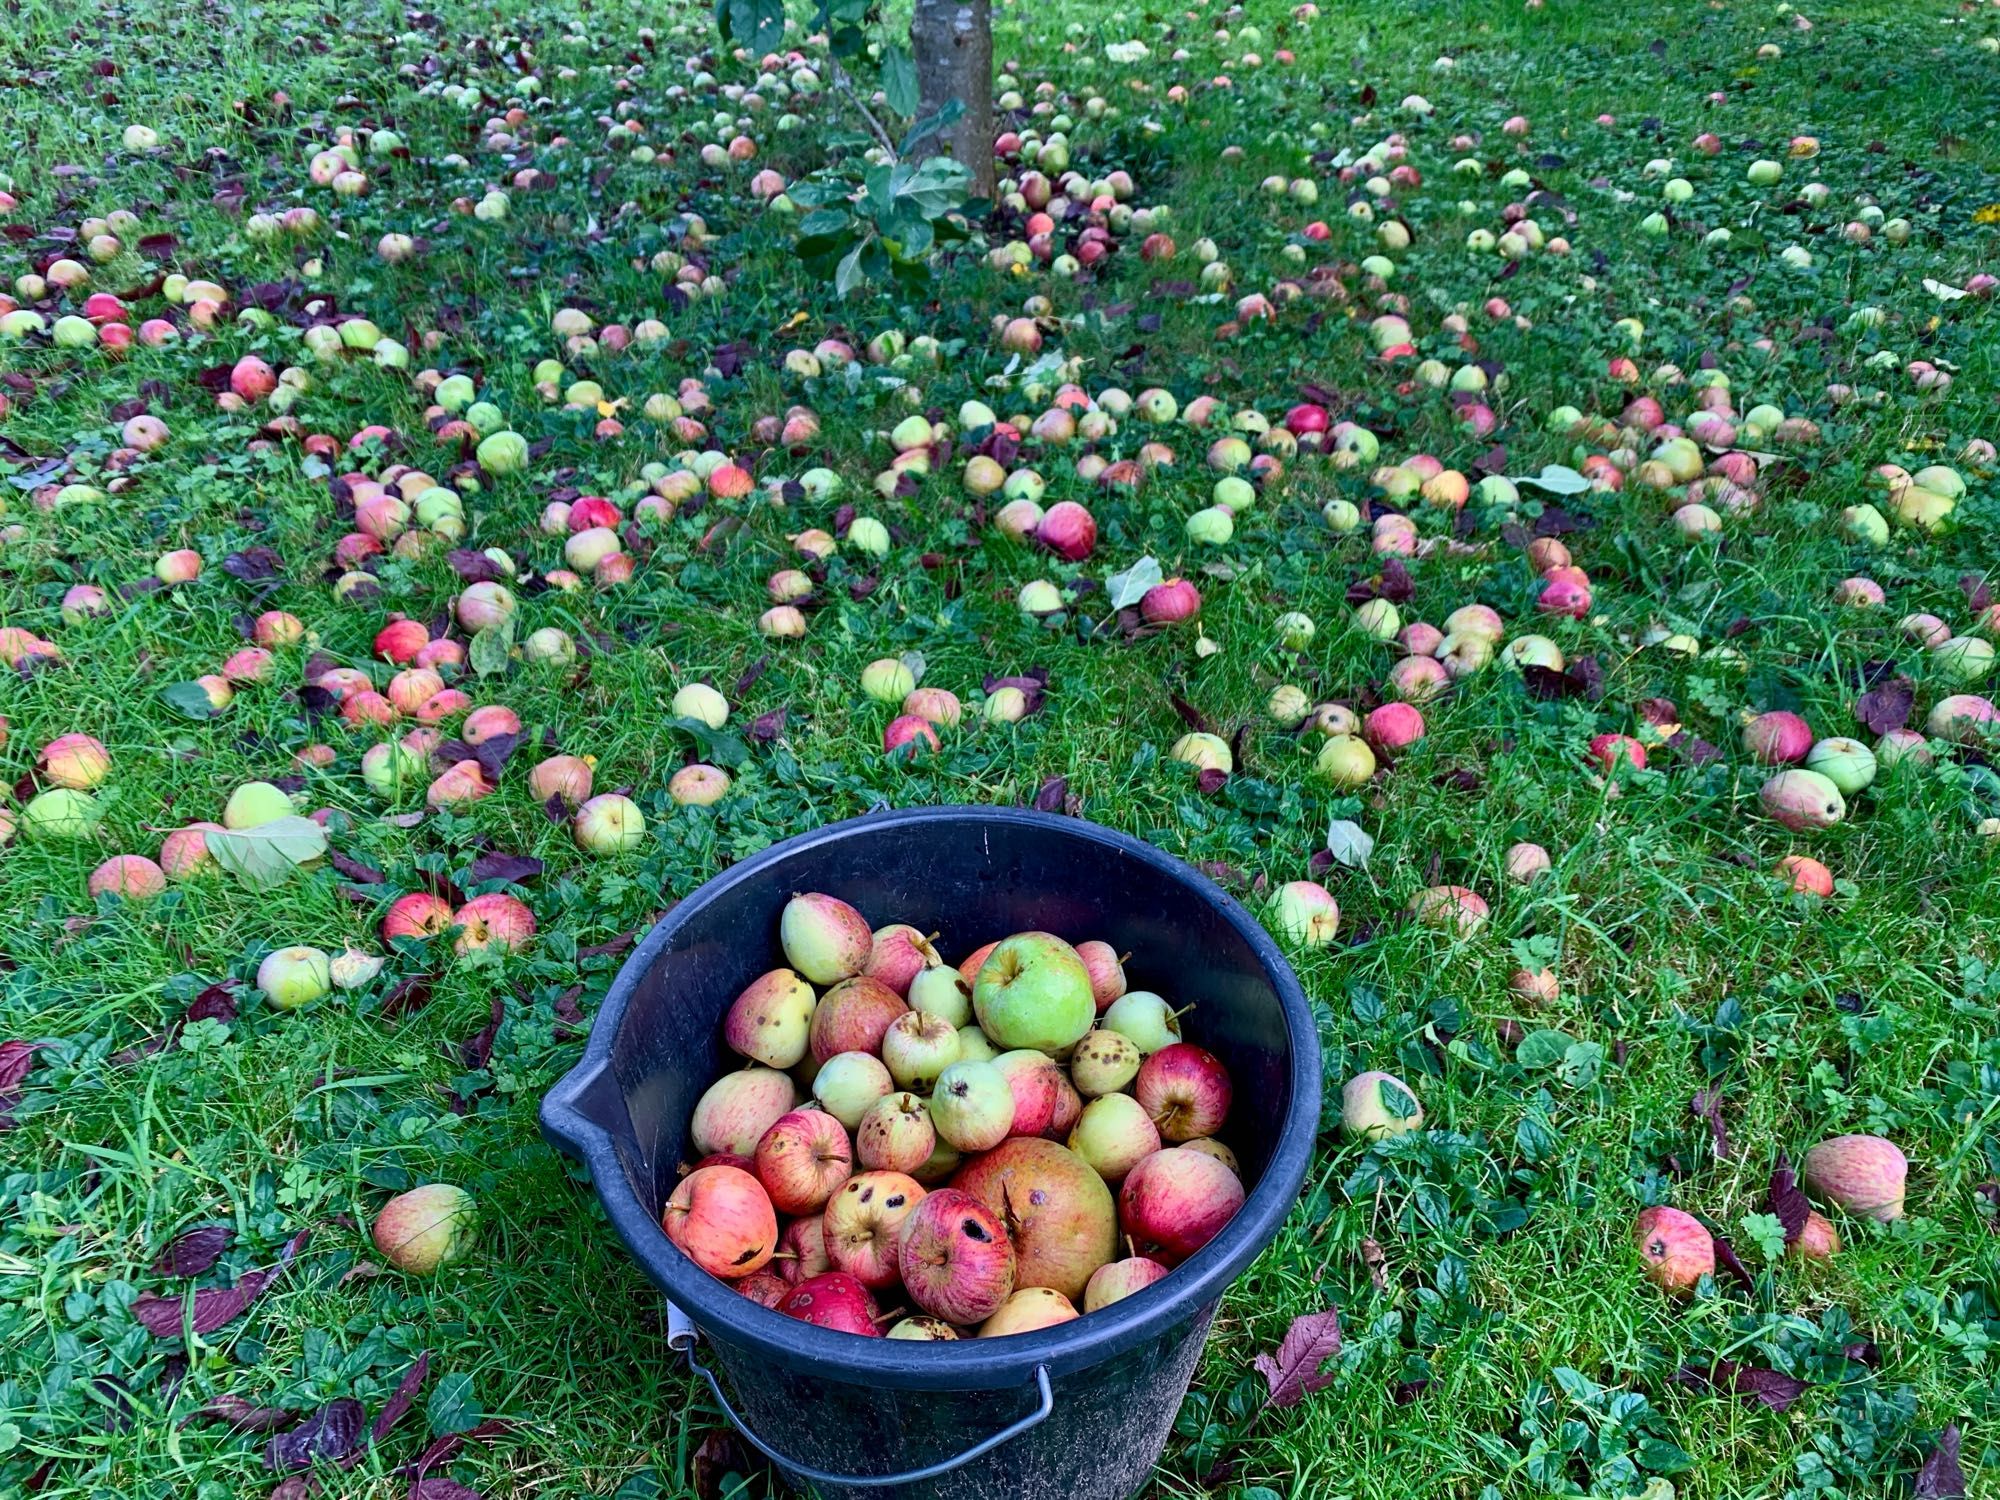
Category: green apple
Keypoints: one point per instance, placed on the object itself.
(1034, 991)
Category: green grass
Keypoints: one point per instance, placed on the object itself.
(1472, 1264)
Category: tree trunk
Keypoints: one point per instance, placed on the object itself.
(952, 44)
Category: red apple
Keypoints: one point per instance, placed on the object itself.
(833, 1300)
(802, 1159)
(1186, 1091)
(1176, 1201)
(955, 1258)
(720, 1218)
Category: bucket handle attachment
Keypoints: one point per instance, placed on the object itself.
(683, 1335)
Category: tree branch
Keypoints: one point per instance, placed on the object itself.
(846, 87)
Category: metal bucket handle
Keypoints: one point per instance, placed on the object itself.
(683, 1335)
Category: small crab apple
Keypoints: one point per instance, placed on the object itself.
(897, 954)
(864, 1221)
(1864, 1174)
(848, 1082)
(834, 1300)
(1305, 912)
(609, 824)
(1806, 874)
(1527, 863)
(1114, 1134)
(917, 1047)
(942, 992)
(722, 1220)
(1185, 1090)
(770, 1022)
(955, 1258)
(854, 1016)
(1029, 1310)
(1144, 1019)
(972, 1106)
(1106, 969)
(1175, 1201)
(493, 921)
(1452, 907)
(564, 776)
(698, 785)
(824, 938)
(419, 914)
(802, 1158)
(425, 1229)
(895, 1134)
(802, 1250)
(1819, 1240)
(294, 977)
(1376, 1105)
(1119, 1280)
(1103, 1063)
(736, 1110)
(132, 876)
(1675, 1249)
(76, 761)
(184, 852)
(1036, 1084)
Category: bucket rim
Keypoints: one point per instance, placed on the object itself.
(974, 1364)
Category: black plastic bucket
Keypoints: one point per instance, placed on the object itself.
(1080, 1411)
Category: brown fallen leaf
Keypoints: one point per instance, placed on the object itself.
(1294, 1374)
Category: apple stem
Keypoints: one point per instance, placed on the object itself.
(1124, 959)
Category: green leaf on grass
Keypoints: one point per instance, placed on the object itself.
(1126, 589)
(1542, 1049)
(452, 1406)
(491, 651)
(1348, 842)
(264, 857)
(1557, 479)
(188, 699)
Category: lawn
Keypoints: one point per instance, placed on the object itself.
(1659, 1019)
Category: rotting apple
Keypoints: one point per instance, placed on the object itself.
(1056, 1209)
(864, 1221)
(955, 1258)
(722, 1220)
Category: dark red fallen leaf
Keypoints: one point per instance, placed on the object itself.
(473, 567)
(400, 1399)
(1707, 1107)
(1547, 682)
(1888, 706)
(498, 866)
(1730, 1261)
(1941, 1478)
(1294, 1374)
(1397, 586)
(446, 1448)
(214, 1307)
(215, 1003)
(715, 1458)
(749, 678)
(1978, 594)
(1788, 1205)
(768, 726)
(242, 1415)
(1050, 798)
(331, 1433)
(1191, 716)
(1211, 781)
(16, 1058)
(253, 563)
(195, 1252)
(354, 870)
(409, 994)
(440, 1488)
(609, 946)
(477, 1050)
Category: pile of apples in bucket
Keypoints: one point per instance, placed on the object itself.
(931, 1152)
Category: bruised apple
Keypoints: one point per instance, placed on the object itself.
(1056, 1210)
(722, 1220)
